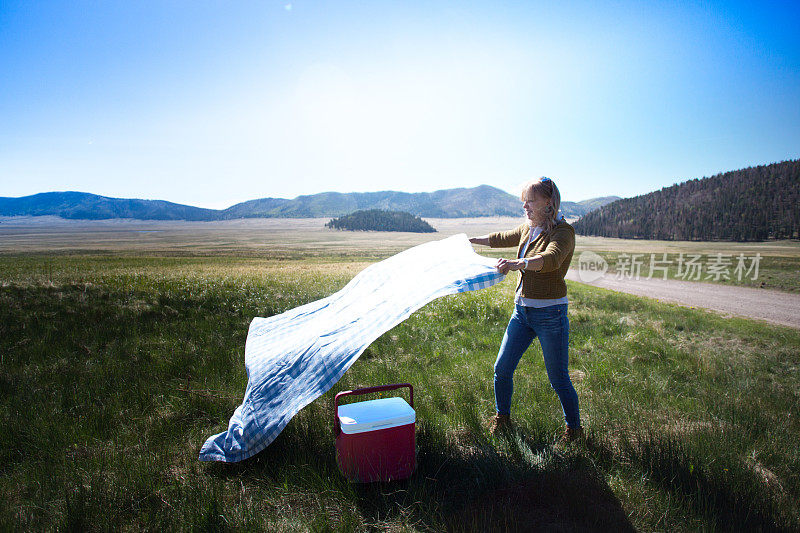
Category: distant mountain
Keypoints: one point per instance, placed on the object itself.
(483, 200)
(750, 204)
(583, 207)
(255, 208)
(81, 205)
(449, 203)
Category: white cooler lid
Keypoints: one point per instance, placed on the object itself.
(375, 414)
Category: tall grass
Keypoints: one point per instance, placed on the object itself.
(114, 371)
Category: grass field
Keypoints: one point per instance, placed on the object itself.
(114, 368)
(779, 266)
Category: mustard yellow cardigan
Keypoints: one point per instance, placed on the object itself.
(556, 249)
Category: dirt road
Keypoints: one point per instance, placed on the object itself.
(773, 306)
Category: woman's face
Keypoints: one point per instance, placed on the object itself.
(535, 206)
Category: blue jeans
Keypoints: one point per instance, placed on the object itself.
(551, 325)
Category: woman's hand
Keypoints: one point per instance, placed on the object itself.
(507, 265)
(484, 240)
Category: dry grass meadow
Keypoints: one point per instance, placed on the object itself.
(301, 235)
(122, 349)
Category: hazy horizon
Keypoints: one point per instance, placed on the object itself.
(284, 198)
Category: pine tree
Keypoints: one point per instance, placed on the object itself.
(755, 203)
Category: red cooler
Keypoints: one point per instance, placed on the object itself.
(375, 439)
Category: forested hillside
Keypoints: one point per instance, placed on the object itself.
(751, 204)
(379, 220)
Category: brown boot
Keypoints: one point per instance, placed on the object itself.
(571, 435)
(500, 424)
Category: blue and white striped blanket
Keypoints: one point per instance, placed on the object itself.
(293, 358)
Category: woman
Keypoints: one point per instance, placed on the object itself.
(545, 243)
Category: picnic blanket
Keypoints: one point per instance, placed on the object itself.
(293, 358)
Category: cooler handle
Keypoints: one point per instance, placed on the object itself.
(368, 390)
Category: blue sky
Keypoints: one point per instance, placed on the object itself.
(213, 103)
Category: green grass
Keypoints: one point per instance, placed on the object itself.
(304, 238)
(113, 371)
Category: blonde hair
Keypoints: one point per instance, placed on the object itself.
(546, 188)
